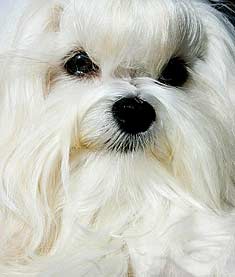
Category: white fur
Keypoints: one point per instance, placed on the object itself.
(70, 207)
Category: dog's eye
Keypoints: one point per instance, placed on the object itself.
(81, 65)
(175, 73)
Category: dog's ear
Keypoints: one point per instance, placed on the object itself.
(227, 7)
(25, 54)
(42, 16)
(26, 18)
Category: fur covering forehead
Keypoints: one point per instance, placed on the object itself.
(72, 201)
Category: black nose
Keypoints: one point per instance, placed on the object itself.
(133, 115)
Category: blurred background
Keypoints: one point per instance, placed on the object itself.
(5, 6)
(9, 9)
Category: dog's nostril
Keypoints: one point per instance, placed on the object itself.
(133, 115)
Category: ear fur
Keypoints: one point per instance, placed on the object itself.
(23, 63)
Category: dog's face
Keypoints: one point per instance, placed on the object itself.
(123, 82)
(121, 100)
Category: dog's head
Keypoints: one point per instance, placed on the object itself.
(122, 100)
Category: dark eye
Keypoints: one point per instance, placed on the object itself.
(175, 73)
(81, 65)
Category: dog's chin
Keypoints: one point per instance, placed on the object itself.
(128, 144)
(125, 144)
(120, 142)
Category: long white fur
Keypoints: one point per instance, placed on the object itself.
(69, 207)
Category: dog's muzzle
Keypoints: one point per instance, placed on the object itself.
(133, 115)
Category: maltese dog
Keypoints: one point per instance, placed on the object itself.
(117, 139)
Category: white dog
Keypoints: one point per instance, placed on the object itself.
(117, 142)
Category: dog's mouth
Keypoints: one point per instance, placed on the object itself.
(119, 142)
(126, 143)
